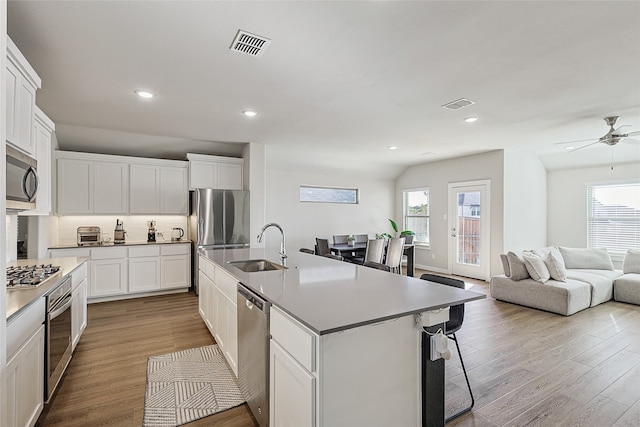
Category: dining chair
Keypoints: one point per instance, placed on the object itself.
(375, 250)
(456, 317)
(322, 246)
(340, 239)
(377, 265)
(332, 256)
(394, 254)
(307, 251)
(361, 238)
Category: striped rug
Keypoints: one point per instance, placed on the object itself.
(188, 385)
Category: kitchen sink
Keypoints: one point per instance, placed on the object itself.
(255, 265)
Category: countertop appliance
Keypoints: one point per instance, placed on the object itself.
(22, 181)
(218, 219)
(118, 233)
(253, 352)
(177, 234)
(151, 233)
(57, 335)
(30, 276)
(89, 236)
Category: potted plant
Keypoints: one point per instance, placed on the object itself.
(407, 234)
(351, 240)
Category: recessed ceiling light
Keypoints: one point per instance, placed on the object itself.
(250, 113)
(392, 147)
(471, 119)
(569, 148)
(145, 94)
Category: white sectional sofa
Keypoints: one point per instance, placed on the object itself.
(566, 280)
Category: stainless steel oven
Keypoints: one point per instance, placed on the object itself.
(22, 181)
(58, 335)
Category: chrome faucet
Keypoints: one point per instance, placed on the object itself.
(283, 252)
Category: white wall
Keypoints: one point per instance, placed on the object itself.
(303, 222)
(567, 201)
(437, 176)
(525, 202)
(255, 181)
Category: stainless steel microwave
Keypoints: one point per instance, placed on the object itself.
(22, 181)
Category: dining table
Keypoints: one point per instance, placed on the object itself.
(360, 249)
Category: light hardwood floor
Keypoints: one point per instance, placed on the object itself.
(527, 367)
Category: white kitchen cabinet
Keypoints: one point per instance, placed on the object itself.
(157, 189)
(292, 390)
(43, 129)
(74, 186)
(206, 301)
(176, 266)
(78, 312)
(215, 172)
(21, 85)
(108, 272)
(144, 268)
(110, 187)
(24, 378)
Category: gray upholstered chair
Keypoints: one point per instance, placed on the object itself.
(395, 248)
(372, 264)
(456, 317)
(375, 250)
(361, 238)
(307, 251)
(332, 256)
(322, 246)
(340, 239)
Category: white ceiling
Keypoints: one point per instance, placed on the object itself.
(340, 82)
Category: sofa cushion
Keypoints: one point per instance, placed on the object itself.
(586, 258)
(517, 266)
(555, 264)
(564, 298)
(601, 285)
(505, 264)
(631, 263)
(626, 288)
(536, 267)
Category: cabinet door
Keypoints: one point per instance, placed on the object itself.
(20, 103)
(42, 137)
(75, 186)
(174, 191)
(108, 277)
(229, 176)
(12, 90)
(221, 320)
(231, 348)
(78, 312)
(175, 271)
(144, 189)
(25, 382)
(202, 174)
(144, 274)
(292, 390)
(110, 185)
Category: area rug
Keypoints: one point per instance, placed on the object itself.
(188, 385)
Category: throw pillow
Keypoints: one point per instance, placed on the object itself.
(631, 263)
(555, 264)
(505, 264)
(597, 259)
(536, 267)
(516, 267)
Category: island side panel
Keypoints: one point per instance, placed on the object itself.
(370, 375)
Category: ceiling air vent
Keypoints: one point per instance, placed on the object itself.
(250, 44)
(458, 104)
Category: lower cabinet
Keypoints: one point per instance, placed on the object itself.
(108, 277)
(25, 367)
(218, 308)
(78, 311)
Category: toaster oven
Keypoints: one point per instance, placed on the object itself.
(89, 236)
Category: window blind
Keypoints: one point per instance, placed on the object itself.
(613, 216)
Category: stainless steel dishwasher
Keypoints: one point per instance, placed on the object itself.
(253, 352)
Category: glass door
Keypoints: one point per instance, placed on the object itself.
(469, 229)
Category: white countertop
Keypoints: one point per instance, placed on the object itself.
(329, 295)
(18, 299)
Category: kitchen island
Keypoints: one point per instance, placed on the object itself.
(345, 346)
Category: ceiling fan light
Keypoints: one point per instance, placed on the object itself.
(392, 147)
(471, 119)
(569, 148)
(250, 113)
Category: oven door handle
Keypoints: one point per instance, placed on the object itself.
(66, 303)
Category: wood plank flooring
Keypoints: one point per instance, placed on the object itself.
(526, 367)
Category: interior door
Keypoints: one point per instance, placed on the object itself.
(469, 220)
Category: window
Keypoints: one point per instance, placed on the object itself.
(416, 214)
(328, 195)
(613, 216)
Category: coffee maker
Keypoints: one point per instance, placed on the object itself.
(151, 234)
(118, 233)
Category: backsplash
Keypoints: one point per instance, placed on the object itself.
(135, 226)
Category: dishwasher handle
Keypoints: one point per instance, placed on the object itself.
(251, 300)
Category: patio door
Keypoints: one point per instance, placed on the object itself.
(469, 220)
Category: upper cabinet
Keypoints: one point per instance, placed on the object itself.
(215, 172)
(103, 185)
(21, 85)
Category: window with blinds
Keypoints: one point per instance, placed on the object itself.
(416, 214)
(613, 216)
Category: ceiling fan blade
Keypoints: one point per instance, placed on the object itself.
(616, 130)
(636, 132)
(577, 140)
(584, 146)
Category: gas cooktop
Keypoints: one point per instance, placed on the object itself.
(29, 276)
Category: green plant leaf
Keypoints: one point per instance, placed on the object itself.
(393, 225)
(407, 233)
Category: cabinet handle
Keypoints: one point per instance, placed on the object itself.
(30, 171)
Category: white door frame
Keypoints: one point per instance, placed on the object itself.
(483, 271)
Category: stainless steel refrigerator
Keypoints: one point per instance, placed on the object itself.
(218, 219)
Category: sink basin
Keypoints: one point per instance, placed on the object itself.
(255, 265)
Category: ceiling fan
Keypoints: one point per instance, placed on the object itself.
(611, 138)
